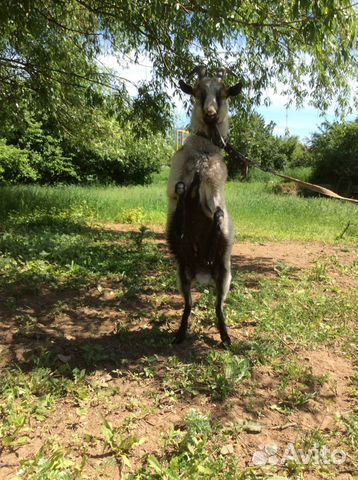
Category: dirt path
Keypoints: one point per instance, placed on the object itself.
(264, 257)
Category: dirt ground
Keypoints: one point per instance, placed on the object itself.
(90, 318)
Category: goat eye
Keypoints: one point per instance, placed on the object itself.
(202, 97)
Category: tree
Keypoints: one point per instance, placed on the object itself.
(256, 140)
(53, 49)
(51, 54)
(335, 153)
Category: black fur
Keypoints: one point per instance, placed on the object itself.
(198, 245)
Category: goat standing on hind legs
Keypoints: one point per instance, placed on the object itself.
(200, 232)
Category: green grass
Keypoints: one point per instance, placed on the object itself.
(51, 248)
(257, 212)
(217, 376)
(191, 455)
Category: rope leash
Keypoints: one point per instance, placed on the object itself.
(244, 163)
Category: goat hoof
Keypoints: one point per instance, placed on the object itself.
(218, 215)
(210, 262)
(180, 235)
(225, 341)
(179, 338)
(180, 188)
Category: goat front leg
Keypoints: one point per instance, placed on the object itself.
(184, 284)
(215, 235)
(222, 287)
(180, 209)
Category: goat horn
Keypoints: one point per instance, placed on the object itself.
(220, 72)
(231, 72)
(200, 70)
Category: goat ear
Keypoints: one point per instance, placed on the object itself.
(234, 90)
(186, 88)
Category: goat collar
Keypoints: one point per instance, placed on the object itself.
(216, 138)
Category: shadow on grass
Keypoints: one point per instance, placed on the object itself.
(55, 303)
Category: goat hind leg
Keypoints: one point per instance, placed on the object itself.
(184, 284)
(222, 287)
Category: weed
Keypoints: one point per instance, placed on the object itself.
(318, 273)
(259, 213)
(29, 396)
(190, 455)
(94, 354)
(26, 324)
(48, 248)
(51, 463)
(117, 444)
(131, 215)
(297, 384)
(217, 376)
(350, 424)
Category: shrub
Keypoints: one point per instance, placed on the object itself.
(141, 159)
(101, 144)
(15, 165)
(255, 139)
(110, 155)
(335, 150)
(45, 153)
(125, 159)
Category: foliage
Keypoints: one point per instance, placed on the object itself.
(143, 157)
(30, 395)
(218, 376)
(255, 139)
(298, 385)
(152, 111)
(72, 117)
(15, 166)
(50, 463)
(55, 51)
(104, 137)
(118, 445)
(335, 150)
(121, 157)
(104, 152)
(190, 456)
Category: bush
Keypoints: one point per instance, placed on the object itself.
(296, 154)
(104, 141)
(125, 159)
(36, 156)
(106, 153)
(255, 139)
(143, 157)
(15, 165)
(45, 153)
(335, 150)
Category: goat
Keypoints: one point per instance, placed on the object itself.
(200, 233)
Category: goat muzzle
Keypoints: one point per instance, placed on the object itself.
(211, 114)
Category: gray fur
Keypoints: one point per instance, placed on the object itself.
(200, 231)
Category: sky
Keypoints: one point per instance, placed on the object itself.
(301, 122)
